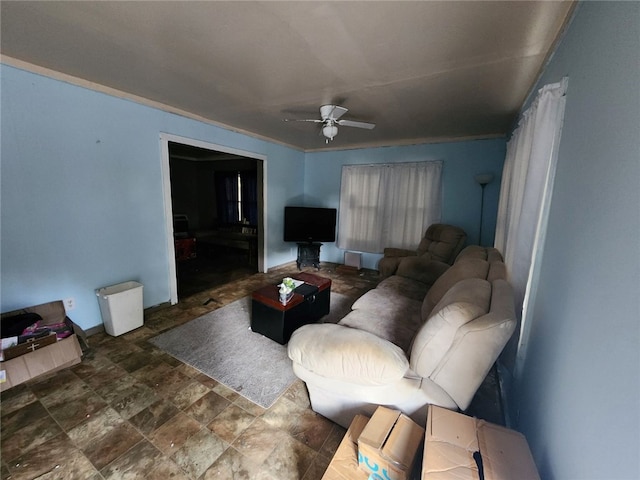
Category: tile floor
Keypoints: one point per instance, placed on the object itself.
(131, 411)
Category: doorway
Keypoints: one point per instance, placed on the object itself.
(214, 208)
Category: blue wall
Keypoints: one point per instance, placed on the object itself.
(578, 396)
(81, 193)
(82, 200)
(461, 194)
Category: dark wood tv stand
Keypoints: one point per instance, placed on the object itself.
(308, 254)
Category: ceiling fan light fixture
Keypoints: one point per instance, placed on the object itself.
(330, 131)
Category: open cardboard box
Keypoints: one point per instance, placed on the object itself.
(49, 357)
(459, 447)
(344, 465)
(383, 447)
(388, 445)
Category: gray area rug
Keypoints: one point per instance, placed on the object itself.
(222, 345)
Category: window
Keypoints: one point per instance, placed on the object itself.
(388, 205)
(237, 197)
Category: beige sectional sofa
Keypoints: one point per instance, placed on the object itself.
(409, 343)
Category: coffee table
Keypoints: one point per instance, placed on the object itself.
(276, 321)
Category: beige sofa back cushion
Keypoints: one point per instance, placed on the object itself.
(467, 300)
(497, 271)
(489, 254)
(467, 268)
(476, 347)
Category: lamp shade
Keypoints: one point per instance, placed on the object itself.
(484, 178)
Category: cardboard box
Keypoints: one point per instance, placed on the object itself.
(458, 447)
(48, 358)
(388, 445)
(344, 465)
(29, 346)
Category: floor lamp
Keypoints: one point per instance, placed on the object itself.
(483, 179)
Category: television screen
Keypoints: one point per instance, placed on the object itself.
(309, 224)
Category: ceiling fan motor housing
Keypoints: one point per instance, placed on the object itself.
(331, 112)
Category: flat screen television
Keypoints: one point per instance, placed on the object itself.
(309, 224)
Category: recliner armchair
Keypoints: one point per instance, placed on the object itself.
(441, 242)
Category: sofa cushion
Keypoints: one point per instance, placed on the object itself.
(347, 354)
(497, 271)
(484, 253)
(422, 269)
(464, 268)
(476, 347)
(467, 300)
(388, 265)
(384, 304)
(396, 326)
(405, 287)
(443, 242)
(472, 251)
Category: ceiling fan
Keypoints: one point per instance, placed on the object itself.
(330, 119)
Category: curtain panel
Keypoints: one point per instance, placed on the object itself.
(525, 196)
(227, 197)
(388, 205)
(249, 182)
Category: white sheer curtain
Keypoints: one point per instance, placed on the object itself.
(525, 195)
(388, 205)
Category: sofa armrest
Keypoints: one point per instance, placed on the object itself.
(347, 354)
(398, 252)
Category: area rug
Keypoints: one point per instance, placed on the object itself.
(222, 345)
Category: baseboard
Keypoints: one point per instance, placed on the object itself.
(281, 266)
(94, 330)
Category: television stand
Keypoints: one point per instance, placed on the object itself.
(308, 254)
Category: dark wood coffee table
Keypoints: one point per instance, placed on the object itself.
(276, 321)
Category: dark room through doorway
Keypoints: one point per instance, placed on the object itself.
(216, 210)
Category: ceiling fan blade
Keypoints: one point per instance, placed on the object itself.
(338, 112)
(303, 120)
(351, 123)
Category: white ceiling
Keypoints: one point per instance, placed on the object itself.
(421, 70)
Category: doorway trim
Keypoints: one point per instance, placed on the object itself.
(165, 138)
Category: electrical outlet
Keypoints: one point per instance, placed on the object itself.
(69, 304)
